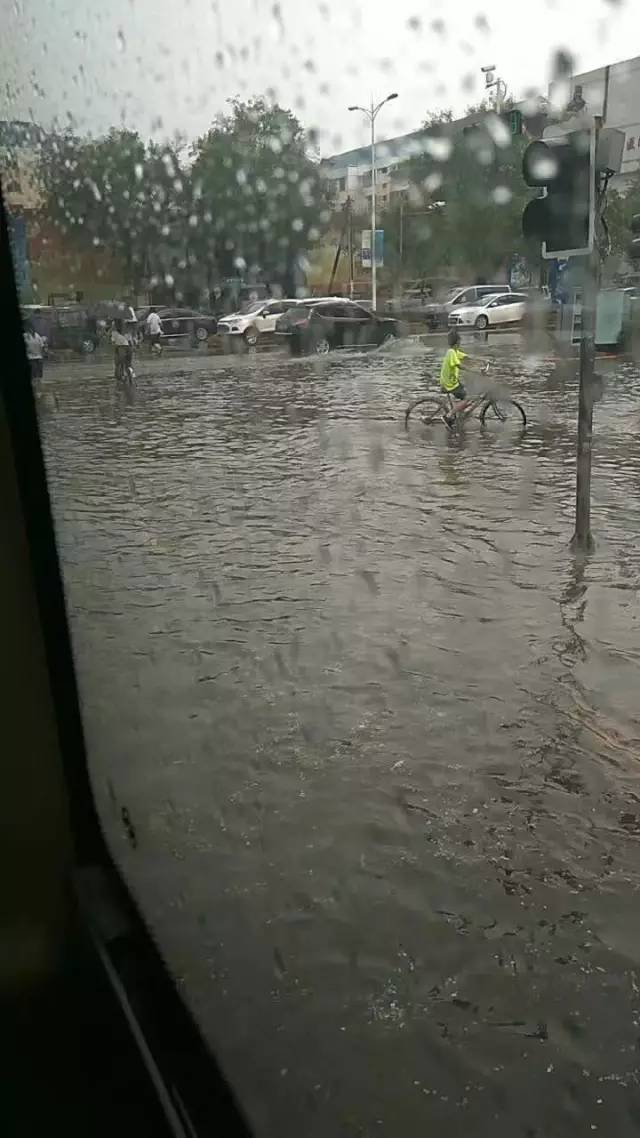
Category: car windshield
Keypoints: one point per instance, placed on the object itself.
(357, 651)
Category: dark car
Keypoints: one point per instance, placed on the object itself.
(436, 314)
(68, 326)
(411, 303)
(106, 311)
(314, 326)
(182, 323)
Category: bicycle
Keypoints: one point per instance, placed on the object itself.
(124, 370)
(434, 408)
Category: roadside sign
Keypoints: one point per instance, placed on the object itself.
(366, 248)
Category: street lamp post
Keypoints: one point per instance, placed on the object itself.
(371, 113)
(493, 80)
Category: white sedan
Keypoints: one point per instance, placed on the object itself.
(497, 309)
(256, 319)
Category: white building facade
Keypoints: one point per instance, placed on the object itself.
(614, 93)
(349, 174)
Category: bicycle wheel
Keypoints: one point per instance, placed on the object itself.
(503, 411)
(428, 409)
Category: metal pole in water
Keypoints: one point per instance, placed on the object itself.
(373, 207)
(582, 539)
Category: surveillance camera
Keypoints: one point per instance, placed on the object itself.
(490, 67)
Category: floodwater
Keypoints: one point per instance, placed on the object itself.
(365, 737)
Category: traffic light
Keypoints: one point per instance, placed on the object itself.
(513, 121)
(563, 217)
(634, 247)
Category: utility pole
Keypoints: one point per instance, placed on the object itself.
(350, 244)
(344, 229)
(374, 267)
(372, 113)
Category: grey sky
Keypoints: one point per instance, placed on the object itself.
(163, 68)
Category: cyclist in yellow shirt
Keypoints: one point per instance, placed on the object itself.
(450, 375)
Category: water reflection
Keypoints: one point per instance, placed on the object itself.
(374, 728)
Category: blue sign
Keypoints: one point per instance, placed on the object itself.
(366, 248)
(558, 288)
(519, 273)
(19, 251)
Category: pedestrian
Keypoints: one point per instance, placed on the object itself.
(123, 350)
(130, 319)
(153, 328)
(35, 345)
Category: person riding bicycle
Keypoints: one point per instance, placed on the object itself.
(123, 350)
(450, 369)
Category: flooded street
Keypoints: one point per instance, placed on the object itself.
(374, 731)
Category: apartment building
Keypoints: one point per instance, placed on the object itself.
(613, 92)
(349, 173)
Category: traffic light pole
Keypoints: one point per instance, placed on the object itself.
(582, 540)
(566, 166)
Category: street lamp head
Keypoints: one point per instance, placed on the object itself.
(393, 95)
(353, 108)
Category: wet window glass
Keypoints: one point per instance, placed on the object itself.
(355, 617)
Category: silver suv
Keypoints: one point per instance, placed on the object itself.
(436, 315)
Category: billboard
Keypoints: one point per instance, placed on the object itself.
(19, 250)
(366, 248)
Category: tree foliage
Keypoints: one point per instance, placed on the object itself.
(118, 193)
(437, 118)
(262, 199)
(248, 197)
(462, 212)
(620, 208)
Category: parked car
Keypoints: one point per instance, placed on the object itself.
(436, 314)
(314, 326)
(106, 311)
(234, 296)
(412, 303)
(181, 323)
(503, 308)
(63, 326)
(258, 319)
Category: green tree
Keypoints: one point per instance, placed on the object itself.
(260, 199)
(620, 208)
(464, 203)
(437, 118)
(118, 193)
